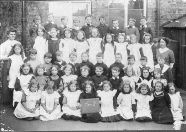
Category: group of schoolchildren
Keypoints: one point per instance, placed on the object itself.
(118, 70)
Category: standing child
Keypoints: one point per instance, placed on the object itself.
(75, 28)
(147, 50)
(68, 44)
(81, 45)
(53, 43)
(95, 45)
(135, 49)
(109, 50)
(16, 57)
(109, 112)
(98, 78)
(143, 64)
(132, 63)
(161, 105)
(89, 93)
(22, 82)
(74, 64)
(60, 62)
(68, 76)
(121, 47)
(32, 60)
(40, 44)
(126, 101)
(29, 106)
(143, 97)
(47, 63)
(85, 61)
(50, 23)
(176, 106)
(102, 27)
(71, 107)
(50, 108)
(84, 77)
(64, 22)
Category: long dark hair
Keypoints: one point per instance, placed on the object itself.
(93, 90)
(22, 50)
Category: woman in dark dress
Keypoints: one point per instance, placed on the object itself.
(161, 104)
(89, 93)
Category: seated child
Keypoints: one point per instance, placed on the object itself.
(50, 108)
(84, 77)
(47, 63)
(98, 78)
(143, 63)
(89, 93)
(28, 108)
(126, 101)
(161, 105)
(100, 63)
(70, 107)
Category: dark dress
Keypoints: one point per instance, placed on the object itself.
(161, 112)
(92, 117)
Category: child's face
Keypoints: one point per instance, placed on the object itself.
(17, 50)
(84, 57)
(109, 38)
(40, 32)
(162, 43)
(115, 73)
(53, 33)
(115, 24)
(84, 73)
(40, 71)
(67, 71)
(102, 21)
(133, 40)
(73, 58)
(26, 69)
(131, 23)
(47, 60)
(158, 87)
(172, 90)
(38, 21)
(157, 75)
(161, 61)
(76, 23)
(118, 58)
(88, 20)
(12, 35)
(73, 87)
(99, 59)
(88, 89)
(126, 88)
(94, 33)
(59, 57)
(106, 87)
(147, 39)
(50, 18)
(33, 56)
(131, 61)
(54, 71)
(143, 62)
(129, 73)
(145, 73)
(143, 22)
(50, 90)
(64, 22)
(33, 88)
(80, 36)
(121, 39)
(143, 90)
(67, 34)
(98, 72)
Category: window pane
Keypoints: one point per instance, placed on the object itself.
(135, 4)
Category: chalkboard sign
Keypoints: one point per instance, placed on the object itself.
(90, 105)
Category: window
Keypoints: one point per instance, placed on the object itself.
(70, 9)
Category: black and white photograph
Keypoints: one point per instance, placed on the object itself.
(92, 65)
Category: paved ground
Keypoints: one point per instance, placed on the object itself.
(61, 125)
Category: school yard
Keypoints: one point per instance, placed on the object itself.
(61, 125)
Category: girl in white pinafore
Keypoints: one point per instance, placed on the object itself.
(121, 47)
(125, 101)
(50, 108)
(71, 107)
(29, 105)
(40, 44)
(109, 111)
(67, 45)
(143, 98)
(95, 45)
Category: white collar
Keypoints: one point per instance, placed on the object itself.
(130, 26)
(165, 67)
(50, 22)
(115, 27)
(163, 50)
(76, 28)
(115, 77)
(87, 24)
(158, 93)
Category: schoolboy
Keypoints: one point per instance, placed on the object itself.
(75, 28)
(47, 63)
(102, 27)
(64, 21)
